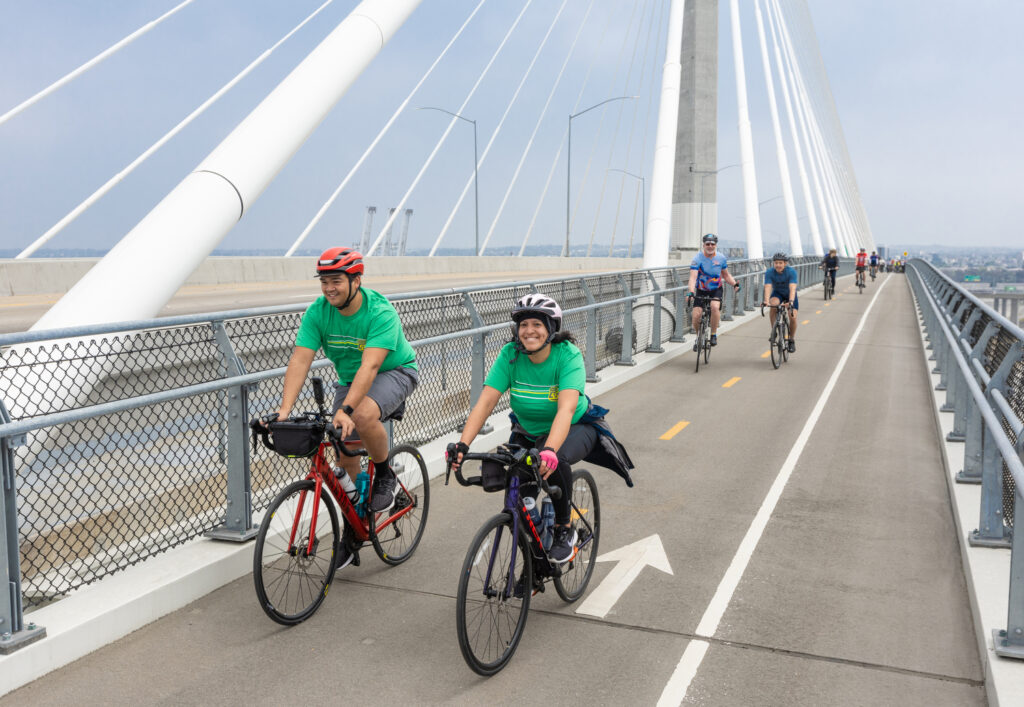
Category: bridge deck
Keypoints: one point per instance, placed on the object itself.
(853, 593)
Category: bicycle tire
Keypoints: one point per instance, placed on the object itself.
(700, 344)
(577, 572)
(487, 623)
(776, 349)
(707, 349)
(290, 586)
(785, 338)
(394, 543)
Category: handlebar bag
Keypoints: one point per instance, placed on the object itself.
(296, 438)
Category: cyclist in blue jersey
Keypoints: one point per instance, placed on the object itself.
(707, 272)
(780, 282)
(873, 261)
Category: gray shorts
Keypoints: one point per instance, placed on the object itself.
(389, 390)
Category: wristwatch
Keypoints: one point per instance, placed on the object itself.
(347, 409)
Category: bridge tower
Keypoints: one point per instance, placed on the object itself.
(694, 192)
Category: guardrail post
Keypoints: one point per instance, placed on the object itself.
(479, 339)
(680, 316)
(14, 634)
(590, 354)
(1009, 642)
(991, 530)
(237, 525)
(626, 353)
(750, 286)
(655, 345)
(971, 472)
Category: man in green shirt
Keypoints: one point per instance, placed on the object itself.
(360, 332)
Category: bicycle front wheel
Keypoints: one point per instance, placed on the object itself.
(291, 579)
(700, 345)
(398, 531)
(778, 342)
(494, 596)
(586, 521)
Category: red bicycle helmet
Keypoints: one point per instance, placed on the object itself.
(338, 261)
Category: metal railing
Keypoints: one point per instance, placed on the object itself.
(978, 355)
(118, 442)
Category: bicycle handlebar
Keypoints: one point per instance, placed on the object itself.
(508, 456)
(260, 427)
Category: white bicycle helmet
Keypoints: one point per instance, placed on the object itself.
(536, 306)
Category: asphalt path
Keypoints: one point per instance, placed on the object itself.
(18, 313)
(850, 592)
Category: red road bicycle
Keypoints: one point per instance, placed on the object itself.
(299, 538)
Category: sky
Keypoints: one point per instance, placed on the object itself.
(928, 94)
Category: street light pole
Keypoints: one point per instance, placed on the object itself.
(704, 174)
(643, 206)
(476, 192)
(568, 166)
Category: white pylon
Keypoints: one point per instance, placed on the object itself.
(755, 249)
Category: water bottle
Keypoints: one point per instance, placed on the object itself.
(531, 508)
(346, 483)
(547, 521)
(363, 489)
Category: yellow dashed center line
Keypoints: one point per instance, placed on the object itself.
(827, 304)
(818, 312)
(731, 382)
(676, 429)
(766, 354)
(806, 321)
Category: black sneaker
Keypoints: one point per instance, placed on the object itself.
(714, 339)
(562, 544)
(383, 497)
(345, 557)
(792, 346)
(695, 345)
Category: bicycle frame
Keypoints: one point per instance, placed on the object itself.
(322, 474)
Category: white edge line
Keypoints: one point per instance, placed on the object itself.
(679, 683)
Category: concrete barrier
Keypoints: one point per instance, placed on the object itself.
(38, 276)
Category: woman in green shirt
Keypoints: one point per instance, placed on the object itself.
(544, 373)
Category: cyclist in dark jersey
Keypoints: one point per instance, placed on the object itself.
(780, 283)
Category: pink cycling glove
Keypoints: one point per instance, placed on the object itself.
(549, 458)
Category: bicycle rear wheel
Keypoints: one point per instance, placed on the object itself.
(394, 541)
(494, 596)
(577, 572)
(785, 338)
(291, 582)
(707, 348)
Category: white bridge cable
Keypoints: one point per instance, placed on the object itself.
(119, 177)
(401, 108)
(600, 124)
(795, 242)
(632, 132)
(790, 77)
(540, 119)
(67, 78)
(618, 124)
(448, 130)
(558, 153)
(808, 198)
(661, 40)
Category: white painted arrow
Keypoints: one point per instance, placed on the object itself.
(632, 559)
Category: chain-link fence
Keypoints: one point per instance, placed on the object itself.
(123, 441)
(979, 356)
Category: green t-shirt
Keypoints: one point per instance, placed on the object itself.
(376, 325)
(534, 386)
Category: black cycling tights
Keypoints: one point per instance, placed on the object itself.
(577, 445)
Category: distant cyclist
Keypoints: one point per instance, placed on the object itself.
(862, 265)
(873, 260)
(780, 283)
(830, 264)
(359, 331)
(543, 371)
(707, 271)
